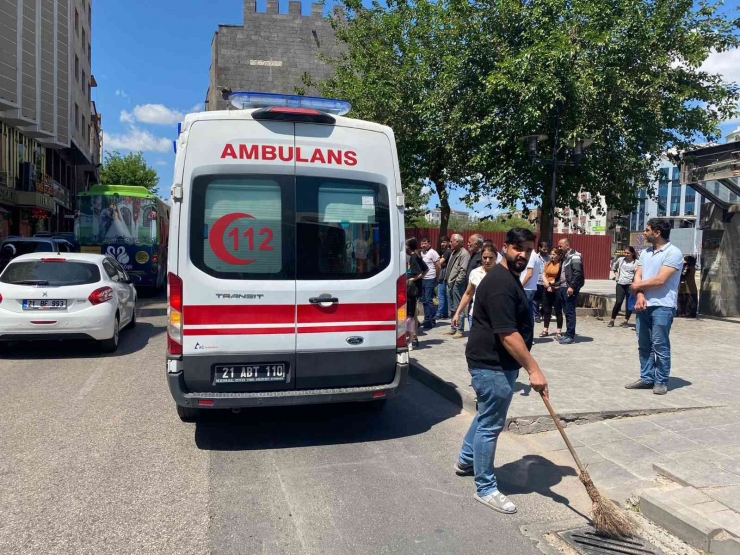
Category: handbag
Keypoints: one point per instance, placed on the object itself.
(631, 300)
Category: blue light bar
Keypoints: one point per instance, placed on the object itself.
(247, 100)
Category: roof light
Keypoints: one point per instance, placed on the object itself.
(53, 260)
(245, 100)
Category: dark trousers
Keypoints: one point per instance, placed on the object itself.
(569, 303)
(539, 300)
(551, 302)
(427, 299)
(623, 292)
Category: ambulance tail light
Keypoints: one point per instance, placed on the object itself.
(174, 314)
(401, 312)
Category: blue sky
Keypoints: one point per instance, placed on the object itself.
(151, 62)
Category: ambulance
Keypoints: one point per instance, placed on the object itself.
(287, 268)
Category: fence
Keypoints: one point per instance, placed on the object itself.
(595, 249)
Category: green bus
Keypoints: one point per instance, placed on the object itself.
(129, 223)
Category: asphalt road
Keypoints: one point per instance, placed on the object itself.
(93, 459)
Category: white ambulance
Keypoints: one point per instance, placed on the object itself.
(286, 278)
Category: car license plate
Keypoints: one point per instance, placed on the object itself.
(45, 304)
(250, 373)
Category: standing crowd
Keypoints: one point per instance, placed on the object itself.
(502, 294)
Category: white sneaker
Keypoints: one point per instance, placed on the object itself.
(498, 502)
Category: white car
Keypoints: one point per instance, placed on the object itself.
(46, 296)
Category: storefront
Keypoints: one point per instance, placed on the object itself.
(35, 211)
(8, 212)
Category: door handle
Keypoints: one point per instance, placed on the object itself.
(320, 300)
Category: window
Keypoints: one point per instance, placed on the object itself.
(89, 15)
(84, 80)
(244, 227)
(77, 68)
(343, 229)
(89, 54)
(110, 269)
(77, 117)
(662, 191)
(84, 38)
(676, 192)
(77, 22)
(52, 273)
(689, 206)
(89, 91)
(84, 127)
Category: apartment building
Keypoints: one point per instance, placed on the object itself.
(591, 222)
(50, 140)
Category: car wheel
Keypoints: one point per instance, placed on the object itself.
(132, 323)
(187, 414)
(111, 345)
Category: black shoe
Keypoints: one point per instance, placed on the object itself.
(640, 384)
(624, 324)
(538, 320)
(567, 340)
(610, 324)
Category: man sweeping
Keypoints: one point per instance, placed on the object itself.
(498, 346)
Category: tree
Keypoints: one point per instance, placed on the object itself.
(131, 169)
(460, 80)
(394, 70)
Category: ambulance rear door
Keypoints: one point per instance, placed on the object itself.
(346, 265)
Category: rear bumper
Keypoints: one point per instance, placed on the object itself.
(91, 323)
(230, 400)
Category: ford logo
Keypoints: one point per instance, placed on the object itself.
(355, 340)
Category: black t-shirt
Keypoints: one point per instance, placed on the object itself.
(416, 266)
(501, 306)
(476, 260)
(446, 256)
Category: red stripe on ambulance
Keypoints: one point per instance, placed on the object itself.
(205, 315)
(372, 312)
(271, 153)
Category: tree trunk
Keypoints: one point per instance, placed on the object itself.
(444, 207)
(545, 213)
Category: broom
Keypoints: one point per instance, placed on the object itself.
(608, 519)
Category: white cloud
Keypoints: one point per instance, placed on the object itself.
(121, 93)
(426, 189)
(725, 63)
(137, 139)
(127, 117)
(161, 163)
(197, 108)
(158, 114)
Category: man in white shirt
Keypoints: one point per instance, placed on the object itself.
(431, 259)
(529, 278)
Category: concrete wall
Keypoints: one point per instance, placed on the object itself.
(720, 274)
(270, 52)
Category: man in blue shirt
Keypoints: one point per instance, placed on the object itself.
(656, 288)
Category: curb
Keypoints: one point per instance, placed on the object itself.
(448, 390)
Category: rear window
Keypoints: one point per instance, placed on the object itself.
(286, 228)
(17, 248)
(50, 273)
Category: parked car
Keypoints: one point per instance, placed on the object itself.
(51, 296)
(12, 247)
(68, 236)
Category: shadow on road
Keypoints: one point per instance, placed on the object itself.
(131, 341)
(535, 474)
(677, 383)
(315, 425)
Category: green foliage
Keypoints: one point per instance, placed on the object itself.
(131, 169)
(460, 80)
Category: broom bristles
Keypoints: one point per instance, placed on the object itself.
(608, 519)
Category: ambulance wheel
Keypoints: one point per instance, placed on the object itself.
(187, 414)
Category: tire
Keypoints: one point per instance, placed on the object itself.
(132, 323)
(187, 414)
(111, 345)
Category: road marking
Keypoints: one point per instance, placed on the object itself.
(90, 383)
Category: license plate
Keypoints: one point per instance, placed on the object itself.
(45, 304)
(251, 373)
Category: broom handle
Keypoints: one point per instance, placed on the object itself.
(562, 432)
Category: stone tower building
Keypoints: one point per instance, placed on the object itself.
(270, 52)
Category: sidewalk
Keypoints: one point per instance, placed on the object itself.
(680, 453)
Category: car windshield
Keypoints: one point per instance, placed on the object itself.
(55, 274)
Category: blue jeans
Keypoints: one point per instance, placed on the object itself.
(441, 301)
(427, 296)
(653, 327)
(494, 389)
(569, 303)
(532, 303)
(454, 294)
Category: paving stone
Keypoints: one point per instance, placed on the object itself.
(729, 496)
(698, 475)
(610, 475)
(633, 457)
(667, 443)
(708, 507)
(634, 427)
(729, 450)
(711, 436)
(687, 495)
(730, 465)
(596, 433)
(553, 441)
(723, 545)
(729, 520)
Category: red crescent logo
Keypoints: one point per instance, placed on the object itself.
(216, 239)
